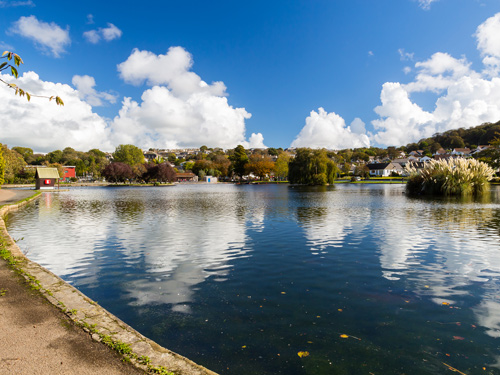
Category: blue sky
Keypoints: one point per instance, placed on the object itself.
(276, 62)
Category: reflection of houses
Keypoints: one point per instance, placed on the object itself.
(187, 177)
(46, 178)
(384, 169)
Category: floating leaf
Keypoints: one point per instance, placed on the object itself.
(458, 338)
(303, 354)
(445, 304)
(344, 336)
(340, 310)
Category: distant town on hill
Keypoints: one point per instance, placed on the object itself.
(129, 163)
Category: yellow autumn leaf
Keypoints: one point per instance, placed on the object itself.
(344, 336)
(303, 354)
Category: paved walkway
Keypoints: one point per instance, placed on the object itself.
(36, 337)
(10, 196)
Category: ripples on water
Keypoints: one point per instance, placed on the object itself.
(242, 278)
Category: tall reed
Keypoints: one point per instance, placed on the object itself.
(449, 177)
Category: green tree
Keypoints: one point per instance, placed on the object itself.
(128, 154)
(281, 166)
(239, 158)
(14, 164)
(54, 156)
(26, 153)
(2, 167)
(312, 167)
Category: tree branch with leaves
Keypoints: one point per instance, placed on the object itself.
(16, 59)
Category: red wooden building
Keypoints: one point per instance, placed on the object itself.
(69, 172)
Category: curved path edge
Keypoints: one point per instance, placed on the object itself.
(94, 319)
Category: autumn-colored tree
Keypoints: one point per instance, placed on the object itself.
(118, 172)
(260, 165)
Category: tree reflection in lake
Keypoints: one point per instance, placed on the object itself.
(283, 269)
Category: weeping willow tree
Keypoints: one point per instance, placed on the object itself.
(311, 167)
(460, 177)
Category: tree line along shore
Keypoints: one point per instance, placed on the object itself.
(130, 164)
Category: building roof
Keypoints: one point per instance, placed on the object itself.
(47, 173)
(377, 166)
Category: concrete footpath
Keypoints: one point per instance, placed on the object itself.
(49, 327)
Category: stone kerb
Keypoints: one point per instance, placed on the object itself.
(98, 322)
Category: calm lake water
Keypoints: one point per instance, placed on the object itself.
(242, 278)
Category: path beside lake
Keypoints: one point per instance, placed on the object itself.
(38, 338)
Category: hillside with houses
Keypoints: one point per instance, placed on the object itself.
(130, 164)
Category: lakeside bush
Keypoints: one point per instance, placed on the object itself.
(449, 177)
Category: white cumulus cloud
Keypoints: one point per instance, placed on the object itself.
(425, 4)
(180, 109)
(85, 86)
(329, 130)
(44, 126)
(47, 36)
(488, 43)
(107, 33)
(466, 97)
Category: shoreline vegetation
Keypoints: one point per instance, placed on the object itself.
(128, 165)
(452, 177)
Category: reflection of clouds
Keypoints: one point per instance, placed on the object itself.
(63, 241)
(488, 315)
(163, 242)
(443, 262)
(324, 228)
(195, 237)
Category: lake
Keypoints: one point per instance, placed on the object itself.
(358, 279)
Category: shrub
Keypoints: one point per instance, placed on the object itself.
(449, 177)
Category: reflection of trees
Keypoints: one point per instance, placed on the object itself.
(128, 210)
(324, 224)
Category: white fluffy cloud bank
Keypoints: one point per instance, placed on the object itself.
(329, 130)
(44, 126)
(465, 98)
(180, 109)
(47, 36)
